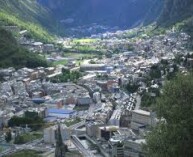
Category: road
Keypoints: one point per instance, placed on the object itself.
(77, 125)
(15, 148)
(81, 148)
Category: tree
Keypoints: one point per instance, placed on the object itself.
(8, 136)
(173, 137)
(132, 88)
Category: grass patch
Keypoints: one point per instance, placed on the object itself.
(36, 30)
(72, 122)
(73, 154)
(85, 40)
(1, 149)
(78, 55)
(21, 139)
(81, 107)
(60, 62)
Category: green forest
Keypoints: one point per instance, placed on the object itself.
(13, 55)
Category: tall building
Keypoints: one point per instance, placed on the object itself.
(116, 147)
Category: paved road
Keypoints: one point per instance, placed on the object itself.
(15, 148)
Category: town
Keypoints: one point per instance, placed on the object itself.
(96, 96)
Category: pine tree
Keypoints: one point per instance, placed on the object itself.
(8, 136)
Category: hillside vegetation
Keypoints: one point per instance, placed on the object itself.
(122, 13)
(178, 13)
(28, 15)
(175, 11)
(12, 55)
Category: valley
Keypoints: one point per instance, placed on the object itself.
(95, 78)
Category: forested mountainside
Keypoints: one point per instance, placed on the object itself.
(180, 13)
(12, 55)
(176, 11)
(27, 14)
(122, 13)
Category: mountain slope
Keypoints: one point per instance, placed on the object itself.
(11, 54)
(176, 11)
(28, 15)
(180, 14)
(122, 13)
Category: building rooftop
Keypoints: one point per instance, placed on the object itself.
(142, 112)
(61, 111)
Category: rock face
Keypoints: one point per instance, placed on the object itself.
(122, 13)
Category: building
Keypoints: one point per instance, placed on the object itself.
(115, 118)
(140, 118)
(60, 113)
(92, 128)
(50, 133)
(93, 67)
(133, 148)
(84, 100)
(48, 47)
(106, 132)
(117, 148)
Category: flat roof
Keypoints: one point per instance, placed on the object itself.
(142, 112)
(60, 111)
